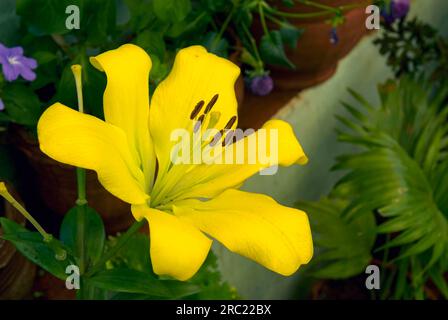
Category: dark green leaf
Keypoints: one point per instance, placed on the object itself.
(290, 34)
(33, 11)
(272, 50)
(9, 23)
(171, 10)
(21, 104)
(343, 245)
(94, 232)
(32, 246)
(218, 46)
(99, 18)
(133, 281)
(152, 42)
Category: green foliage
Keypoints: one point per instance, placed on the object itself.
(126, 274)
(412, 46)
(94, 228)
(171, 10)
(33, 11)
(23, 104)
(161, 27)
(400, 174)
(9, 22)
(32, 246)
(272, 51)
(346, 243)
(206, 284)
(141, 283)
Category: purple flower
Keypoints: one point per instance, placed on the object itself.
(261, 85)
(14, 63)
(398, 9)
(334, 37)
(2, 105)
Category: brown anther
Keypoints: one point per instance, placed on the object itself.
(216, 138)
(196, 109)
(230, 123)
(229, 138)
(198, 124)
(211, 104)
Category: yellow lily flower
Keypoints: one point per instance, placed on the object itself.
(182, 203)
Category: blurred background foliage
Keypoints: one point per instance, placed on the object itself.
(390, 207)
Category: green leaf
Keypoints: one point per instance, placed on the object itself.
(152, 42)
(33, 11)
(290, 34)
(343, 245)
(32, 246)
(133, 281)
(94, 233)
(21, 104)
(218, 46)
(272, 50)
(400, 173)
(99, 18)
(9, 23)
(171, 10)
(159, 70)
(209, 279)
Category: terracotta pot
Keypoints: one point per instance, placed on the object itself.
(16, 272)
(239, 83)
(315, 57)
(56, 183)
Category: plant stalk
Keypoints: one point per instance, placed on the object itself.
(114, 250)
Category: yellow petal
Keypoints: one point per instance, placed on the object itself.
(196, 76)
(207, 181)
(255, 226)
(84, 141)
(177, 248)
(126, 100)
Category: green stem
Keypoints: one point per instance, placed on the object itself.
(8, 197)
(294, 15)
(326, 10)
(319, 6)
(114, 250)
(263, 19)
(223, 28)
(279, 22)
(81, 202)
(253, 44)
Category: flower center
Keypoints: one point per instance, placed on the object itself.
(14, 60)
(225, 134)
(203, 118)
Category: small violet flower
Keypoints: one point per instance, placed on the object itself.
(398, 9)
(15, 64)
(334, 37)
(2, 105)
(261, 85)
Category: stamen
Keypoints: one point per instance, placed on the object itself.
(216, 138)
(196, 109)
(230, 123)
(211, 103)
(229, 138)
(198, 124)
(213, 119)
